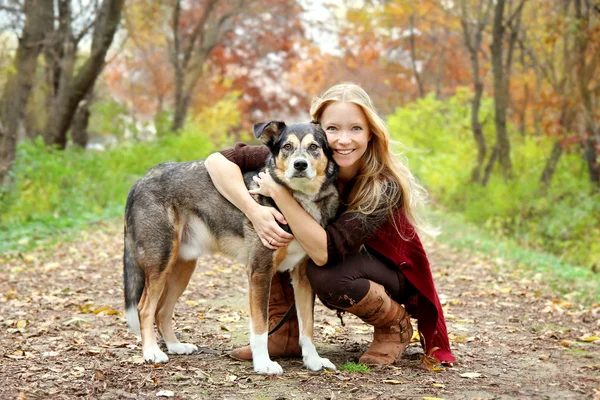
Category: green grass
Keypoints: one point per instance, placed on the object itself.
(355, 368)
(580, 283)
(64, 191)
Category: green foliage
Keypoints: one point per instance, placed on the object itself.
(58, 190)
(577, 283)
(441, 152)
(215, 121)
(355, 367)
(109, 117)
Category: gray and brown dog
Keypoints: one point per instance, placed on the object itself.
(174, 214)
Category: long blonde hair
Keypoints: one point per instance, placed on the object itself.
(380, 166)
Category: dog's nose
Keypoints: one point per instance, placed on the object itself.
(300, 165)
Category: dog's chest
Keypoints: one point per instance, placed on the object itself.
(294, 254)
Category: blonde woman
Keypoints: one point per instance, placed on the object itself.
(369, 261)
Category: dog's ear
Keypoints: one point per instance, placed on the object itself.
(267, 131)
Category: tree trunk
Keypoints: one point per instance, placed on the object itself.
(79, 126)
(478, 132)
(591, 158)
(500, 91)
(523, 112)
(490, 166)
(38, 21)
(188, 60)
(473, 44)
(182, 102)
(586, 67)
(72, 91)
(550, 167)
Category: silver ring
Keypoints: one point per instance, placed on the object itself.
(271, 241)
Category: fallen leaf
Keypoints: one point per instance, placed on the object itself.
(589, 339)
(99, 375)
(107, 310)
(393, 381)
(470, 375)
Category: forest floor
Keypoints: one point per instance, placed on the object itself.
(63, 334)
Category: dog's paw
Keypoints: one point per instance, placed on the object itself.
(268, 368)
(155, 355)
(181, 348)
(318, 363)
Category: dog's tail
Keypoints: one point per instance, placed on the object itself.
(134, 282)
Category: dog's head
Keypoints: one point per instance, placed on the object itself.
(301, 158)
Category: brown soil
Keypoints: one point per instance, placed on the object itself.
(63, 335)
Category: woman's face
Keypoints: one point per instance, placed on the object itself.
(348, 135)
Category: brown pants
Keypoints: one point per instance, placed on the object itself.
(347, 282)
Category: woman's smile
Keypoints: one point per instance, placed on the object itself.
(343, 152)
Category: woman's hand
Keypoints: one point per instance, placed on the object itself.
(264, 220)
(266, 185)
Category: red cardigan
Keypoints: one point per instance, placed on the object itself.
(410, 257)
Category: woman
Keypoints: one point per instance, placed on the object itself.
(369, 260)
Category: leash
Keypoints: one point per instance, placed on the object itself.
(287, 316)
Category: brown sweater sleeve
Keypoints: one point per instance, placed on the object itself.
(248, 158)
(349, 232)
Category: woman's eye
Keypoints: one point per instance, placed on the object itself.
(331, 128)
(287, 146)
(313, 147)
(357, 128)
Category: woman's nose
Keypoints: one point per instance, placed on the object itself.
(344, 137)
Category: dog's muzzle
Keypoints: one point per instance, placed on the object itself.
(300, 168)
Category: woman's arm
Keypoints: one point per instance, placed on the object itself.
(227, 178)
(308, 232)
(341, 237)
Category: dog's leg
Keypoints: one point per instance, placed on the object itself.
(155, 284)
(179, 278)
(305, 302)
(259, 289)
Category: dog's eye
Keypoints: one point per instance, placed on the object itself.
(287, 146)
(313, 147)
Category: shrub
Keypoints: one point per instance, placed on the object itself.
(440, 149)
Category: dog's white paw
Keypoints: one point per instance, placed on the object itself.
(155, 355)
(317, 363)
(268, 367)
(181, 348)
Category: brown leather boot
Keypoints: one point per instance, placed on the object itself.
(393, 329)
(284, 341)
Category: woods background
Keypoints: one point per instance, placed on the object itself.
(495, 102)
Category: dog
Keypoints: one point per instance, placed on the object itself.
(174, 214)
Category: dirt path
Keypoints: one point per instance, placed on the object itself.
(62, 335)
